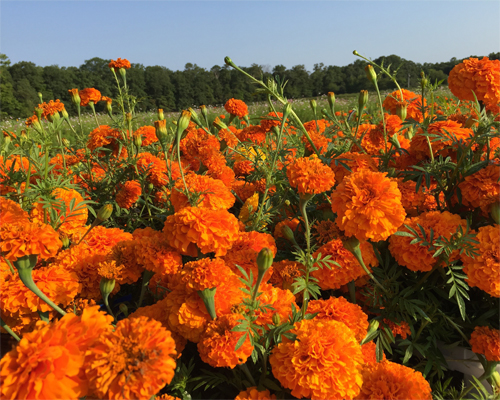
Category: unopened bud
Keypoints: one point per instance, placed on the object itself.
(469, 122)
(287, 202)
(275, 130)
(495, 212)
(105, 212)
(276, 319)
(219, 124)
(128, 116)
(208, 297)
(288, 233)
(331, 99)
(204, 111)
(161, 116)
(362, 100)
(228, 61)
(40, 97)
(54, 117)
(161, 131)
(194, 116)
(109, 107)
(106, 285)
(75, 97)
(401, 111)
(65, 114)
(424, 81)
(39, 112)
(371, 74)
(65, 142)
(65, 241)
(264, 259)
(355, 53)
(313, 105)
(124, 309)
(374, 324)
(183, 122)
(138, 141)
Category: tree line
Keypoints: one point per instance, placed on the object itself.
(160, 87)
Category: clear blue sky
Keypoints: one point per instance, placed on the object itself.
(173, 33)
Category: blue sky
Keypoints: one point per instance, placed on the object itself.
(173, 33)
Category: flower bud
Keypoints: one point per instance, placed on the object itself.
(75, 97)
(264, 259)
(40, 97)
(469, 122)
(228, 61)
(39, 112)
(208, 297)
(276, 319)
(65, 241)
(288, 233)
(401, 110)
(204, 111)
(331, 99)
(219, 124)
(355, 53)
(109, 106)
(66, 142)
(313, 105)
(194, 116)
(65, 114)
(424, 81)
(105, 212)
(123, 73)
(246, 119)
(362, 100)
(106, 285)
(161, 131)
(138, 141)
(26, 262)
(161, 117)
(128, 116)
(54, 117)
(37, 125)
(275, 130)
(374, 324)
(495, 212)
(124, 309)
(371, 74)
(183, 121)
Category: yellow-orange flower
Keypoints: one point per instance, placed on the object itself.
(253, 394)
(339, 309)
(310, 176)
(128, 194)
(218, 343)
(483, 270)
(24, 239)
(11, 212)
(236, 107)
(402, 328)
(133, 362)
(89, 94)
(280, 300)
(48, 363)
(486, 341)
(355, 162)
(388, 380)
(194, 228)
(51, 107)
(322, 363)
(204, 274)
(368, 205)
(119, 63)
(482, 188)
(479, 76)
(147, 134)
(326, 231)
(412, 101)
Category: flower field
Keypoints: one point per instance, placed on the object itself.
(255, 254)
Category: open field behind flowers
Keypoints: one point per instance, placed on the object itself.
(321, 249)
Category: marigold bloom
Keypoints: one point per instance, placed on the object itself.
(486, 341)
(48, 363)
(253, 394)
(51, 107)
(414, 256)
(24, 239)
(412, 100)
(326, 231)
(369, 353)
(134, 361)
(355, 162)
(218, 342)
(244, 190)
(483, 270)
(249, 208)
(310, 176)
(402, 328)
(195, 228)
(333, 371)
(89, 94)
(280, 300)
(236, 107)
(388, 380)
(284, 274)
(147, 134)
(155, 254)
(119, 63)
(479, 76)
(291, 223)
(368, 205)
(11, 212)
(103, 136)
(320, 141)
(204, 274)
(252, 133)
(482, 188)
(128, 194)
(339, 309)
(349, 270)
(155, 168)
(213, 194)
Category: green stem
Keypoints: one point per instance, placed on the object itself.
(7, 328)
(106, 302)
(146, 277)
(247, 373)
(352, 291)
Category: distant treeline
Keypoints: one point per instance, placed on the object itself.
(160, 87)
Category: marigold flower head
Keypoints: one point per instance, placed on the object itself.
(479, 76)
(355, 162)
(368, 205)
(24, 239)
(124, 254)
(103, 136)
(213, 194)
(292, 223)
(155, 168)
(134, 361)
(51, 107)
(414, 256)
(89, 94)
(349, 270)
(119, 63)
(486, 341)
(326, 231)
(195, 228)
(333, 372)
(204, 274)
(483, 270)
(388, 380)
(249, 208)
(236, 107)
(100, 240)
(339, 309)
(280, 300)
(310, 176)
(412, 101)
(128, 194)
(253, 394)
(48, 363)
(402, 328)
(482, 188)
(284, 274)
(252, 133)
(320, 141)
(369, 353)
(147, 134)
(244, 190)
(11, 212)
(218, 342)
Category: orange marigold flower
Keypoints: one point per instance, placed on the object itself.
(253, 394)
(103, 136)
(482, 188)
(284, 274)
(369, 353)
(339, 309)
(349, 269)
(236, 107)
(326, 231)
(100, 240)
(51, 107)
(194, 228)
(412, 100)
(249, 208)
(155, 254)
(402, 329)
(479, 76)
(333, 372)
(486, 341)
(147, 134)
(310, 176)
(89, 94)
(355, 162)
(483, 270)
(368, 205)
(218, 342)
(244, 190)
(320, 141)
(29, 121)
(292, 223)
(253, 133)
(11, 212)
(125, 253)
(24, 239)
(388, 380)
(134, 361)
(48, 363)
(270, 120)
(155, 168)
(128, 194)
(414, 256)
(229, 136)
(280, 300)
(119, 63)
(213, 194)
(204, 274)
